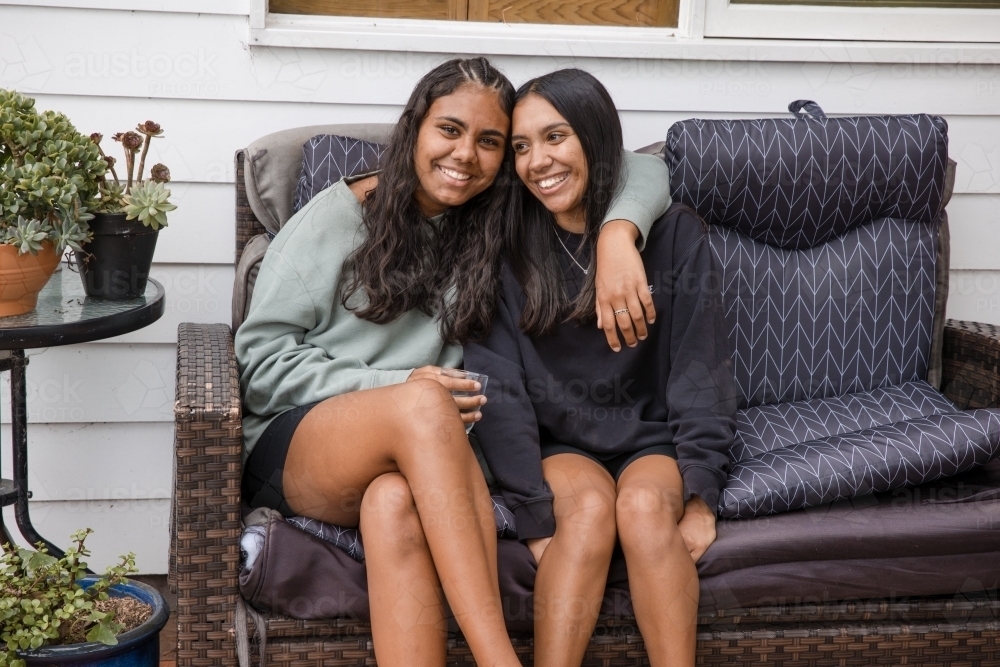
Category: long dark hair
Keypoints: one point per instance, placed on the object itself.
(531, 239)
(403, 262)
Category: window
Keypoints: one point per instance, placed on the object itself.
(637, 13)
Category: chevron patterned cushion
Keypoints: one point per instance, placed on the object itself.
(849, 464)
(327, 158)
(797, 182)
(768, 427)
(851, 315)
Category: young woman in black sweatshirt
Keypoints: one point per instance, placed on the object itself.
(590, 445)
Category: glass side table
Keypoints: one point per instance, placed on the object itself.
(65, 315)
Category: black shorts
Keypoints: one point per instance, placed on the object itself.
(614, 464)
(263, 470)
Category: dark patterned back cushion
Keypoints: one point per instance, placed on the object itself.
(851, 315)
(798, 182)
(327, 158)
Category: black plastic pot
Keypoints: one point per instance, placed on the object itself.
(115, 265)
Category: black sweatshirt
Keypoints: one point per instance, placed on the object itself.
(568, 387)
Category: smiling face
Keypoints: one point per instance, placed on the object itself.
(460, 148)
(550, 160)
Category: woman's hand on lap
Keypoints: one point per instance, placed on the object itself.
(697, 527)
(466, 404)
(621, 284)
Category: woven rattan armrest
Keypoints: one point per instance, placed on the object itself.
(971, 364)
(205, 526)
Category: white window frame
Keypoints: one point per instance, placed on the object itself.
(905, 24)
(706, 31)
(387, 34)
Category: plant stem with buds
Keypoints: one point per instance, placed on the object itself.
(142, 159)
(129, 164)
(113, 172)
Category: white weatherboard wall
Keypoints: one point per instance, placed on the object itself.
(101, 431)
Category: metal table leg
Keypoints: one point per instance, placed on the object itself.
(19, 433)
(8, 492)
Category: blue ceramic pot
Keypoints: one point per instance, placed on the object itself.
(136, 648)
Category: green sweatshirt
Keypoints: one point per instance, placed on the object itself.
(300, 345)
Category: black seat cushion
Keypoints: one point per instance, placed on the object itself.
(940, 538)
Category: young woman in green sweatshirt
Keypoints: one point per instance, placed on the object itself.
(361, 300)
(592, 447)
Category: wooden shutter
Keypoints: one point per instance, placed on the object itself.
(659, 13)
(455, 10)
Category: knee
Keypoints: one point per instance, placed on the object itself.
(389, 515)
(426, 407)
(585, 523)
(647, 515)
(426, 395)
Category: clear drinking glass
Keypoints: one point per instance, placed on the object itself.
(466, 375)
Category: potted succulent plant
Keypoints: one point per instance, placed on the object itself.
(51, 614)
(115, 263)
(49, 183)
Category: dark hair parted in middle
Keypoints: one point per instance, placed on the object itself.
(531, 237)
(403, 262)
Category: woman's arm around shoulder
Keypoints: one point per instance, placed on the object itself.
(623, 298)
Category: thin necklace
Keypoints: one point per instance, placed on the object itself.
(559, 238)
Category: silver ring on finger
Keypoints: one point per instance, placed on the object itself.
(623, 311)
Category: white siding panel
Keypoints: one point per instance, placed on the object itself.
(203, 228)
(200, 293)
(974, 221)
(96, 461)
(98, 383)
(975, 296)
(200, 136)
(139, 526)
(205, 57)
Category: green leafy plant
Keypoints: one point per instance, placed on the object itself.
(41, 601)
(50, 177)
(145, 200)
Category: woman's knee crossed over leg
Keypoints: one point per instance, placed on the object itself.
(389, 516)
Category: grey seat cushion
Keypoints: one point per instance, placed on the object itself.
(315, 161)
(273, 165)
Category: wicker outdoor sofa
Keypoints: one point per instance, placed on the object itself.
(958, 628)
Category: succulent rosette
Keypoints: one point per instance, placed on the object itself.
(147, 201)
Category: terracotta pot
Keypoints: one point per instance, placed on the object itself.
(22, 277)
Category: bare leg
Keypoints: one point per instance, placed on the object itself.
(571, 577)
(414, 429)
(407, 621)
(661, 574)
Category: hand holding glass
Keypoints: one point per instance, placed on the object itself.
(467, 398)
